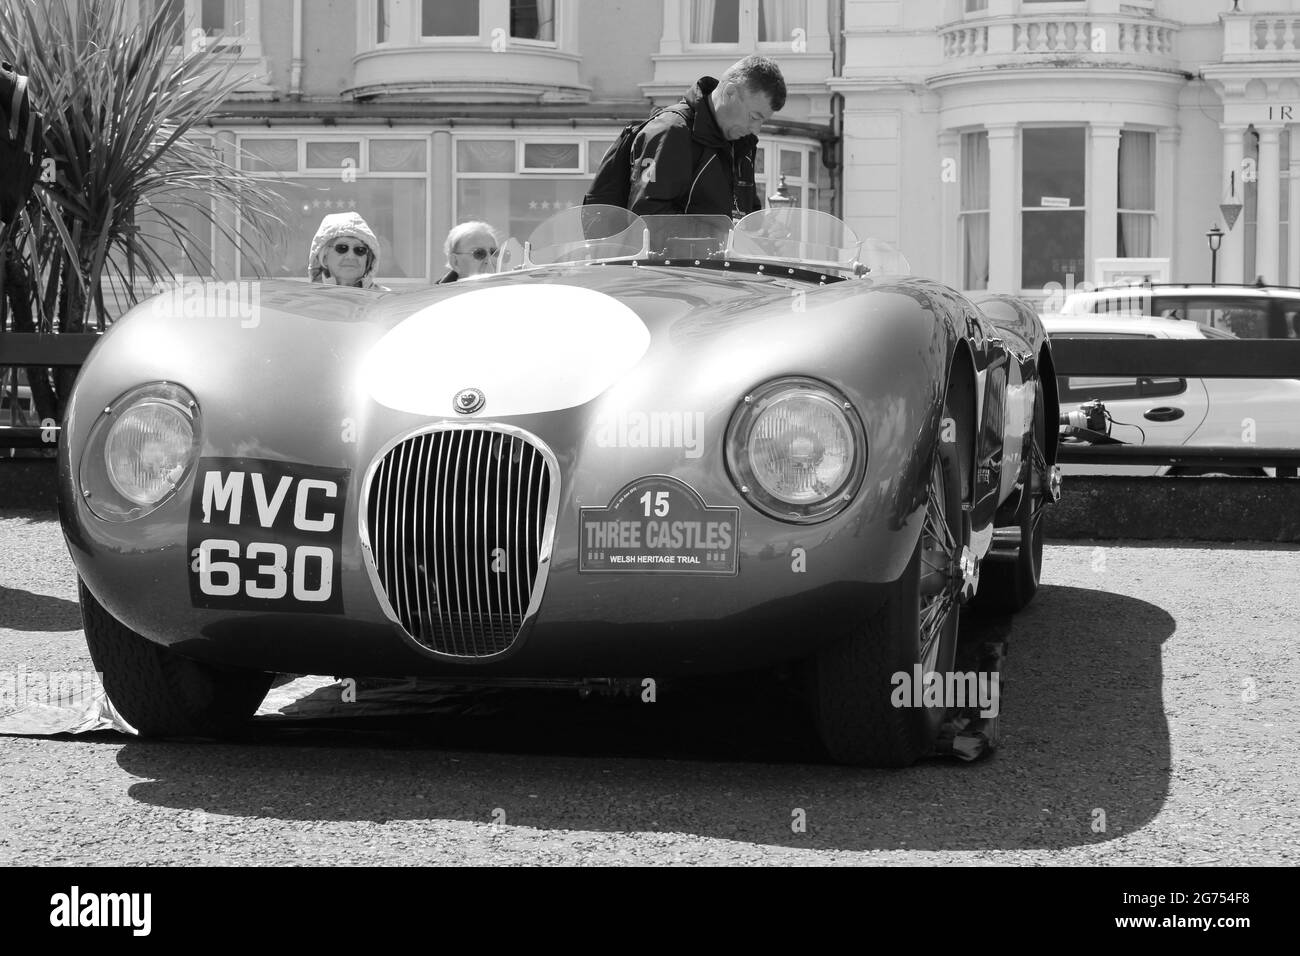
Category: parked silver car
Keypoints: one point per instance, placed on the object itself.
(1164, 410)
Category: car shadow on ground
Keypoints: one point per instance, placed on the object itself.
(26, 611)
(1083, 735)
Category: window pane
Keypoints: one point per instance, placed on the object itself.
(975, 229)
(1053, 165)
(516, 207)
(195, 235)
(397, 156)
(1052, 247)
(449, 18)
(1137, 170)
(393, 208)
(485, 156)
(715, 21)
(974, 172)
(778, 19)
(1246, 320)
(760, 161)
(1134, 237)
(270, 155)
(596, 150)
(551, 156)
(532, 19)
(213, 16)
(791, 163)
(331, 155)
(381, 21)
(973, 6)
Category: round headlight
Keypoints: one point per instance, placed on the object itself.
(141, 447)
(797, 449)
(147, 449)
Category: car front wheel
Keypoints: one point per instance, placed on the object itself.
(865, 707)
(159, 692)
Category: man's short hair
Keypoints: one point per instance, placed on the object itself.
(459, 232)
(759, 73)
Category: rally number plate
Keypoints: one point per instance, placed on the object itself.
(659, 524)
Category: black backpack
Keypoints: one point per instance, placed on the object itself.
(21, 142)
(613, 183)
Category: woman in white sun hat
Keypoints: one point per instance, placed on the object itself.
(344, 251)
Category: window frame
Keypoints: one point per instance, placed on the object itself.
(766, 182)
(1022, 210)
(986, 212)
(303, 136)
(747, 33)
(1149, 214)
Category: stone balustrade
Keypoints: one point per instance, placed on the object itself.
(1261, 36)
(1126, 37)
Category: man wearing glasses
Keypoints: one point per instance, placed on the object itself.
(472, 250)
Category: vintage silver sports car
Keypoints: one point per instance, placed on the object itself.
(657, 447)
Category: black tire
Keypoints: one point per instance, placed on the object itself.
(159, 692)
(1008, 586)
(851, 682)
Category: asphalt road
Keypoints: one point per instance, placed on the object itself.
(1150, 708)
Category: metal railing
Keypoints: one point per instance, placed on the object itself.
(64, 350)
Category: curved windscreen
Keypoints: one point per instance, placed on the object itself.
(883, 258)
(587, 233)
(802, 235)
(792, 236)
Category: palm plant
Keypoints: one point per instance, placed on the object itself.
(119, 99)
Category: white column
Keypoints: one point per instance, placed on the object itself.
(1270, 196)
(1103, 196)
(1004, 209)
(950, 270)
(1232, 253)
(1167, 196)
(1293, 214)
(670, 40)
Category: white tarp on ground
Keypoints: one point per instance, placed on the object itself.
(303, 698)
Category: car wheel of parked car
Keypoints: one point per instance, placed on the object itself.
(159, 692)
(853, 685)
(1007, 586)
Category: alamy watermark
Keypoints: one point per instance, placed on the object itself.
(954, 689)
(1122, 296)
(683, 430)
(22, 688)
(201, 298)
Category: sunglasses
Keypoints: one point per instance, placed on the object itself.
(342, 249)
(480, 253)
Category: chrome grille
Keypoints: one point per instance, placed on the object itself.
(457, 522)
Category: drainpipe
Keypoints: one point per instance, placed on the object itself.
(295, 65)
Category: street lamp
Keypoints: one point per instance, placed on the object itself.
(782, 199)
(1215, 237)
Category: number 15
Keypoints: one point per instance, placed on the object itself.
(660, 504)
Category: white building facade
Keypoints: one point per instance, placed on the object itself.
(1001, 144)
(1018, 145)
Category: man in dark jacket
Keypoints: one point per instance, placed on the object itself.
(703, 163)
